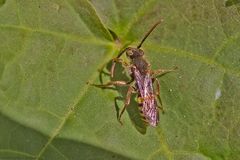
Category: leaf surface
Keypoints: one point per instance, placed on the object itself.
(50, 49)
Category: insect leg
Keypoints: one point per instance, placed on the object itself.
(115, 83)
(127, 102)
(161, 72)
(115, 60)
(157, 93)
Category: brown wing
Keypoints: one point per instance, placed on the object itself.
(149, 108)
(149, 105)
(139, 80)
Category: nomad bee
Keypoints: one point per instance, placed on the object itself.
(142, 79)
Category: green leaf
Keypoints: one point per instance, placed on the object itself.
(231, 2)
(50, 49)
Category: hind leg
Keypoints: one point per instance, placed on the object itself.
(127, 102)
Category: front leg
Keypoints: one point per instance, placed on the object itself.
(114, 61)
(112, 83)
(117, 59)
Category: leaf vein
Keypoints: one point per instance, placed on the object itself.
(165, 146)
(218, 17)
(73, 10)
(224, 45)
(17, 152)
(135, 18)
(65, 157)
(60, 34)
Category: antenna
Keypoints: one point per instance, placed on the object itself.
(148, 33)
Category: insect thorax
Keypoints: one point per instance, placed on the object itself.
(141, 64)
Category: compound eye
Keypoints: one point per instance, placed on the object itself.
(129, 52)
(141, 53)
